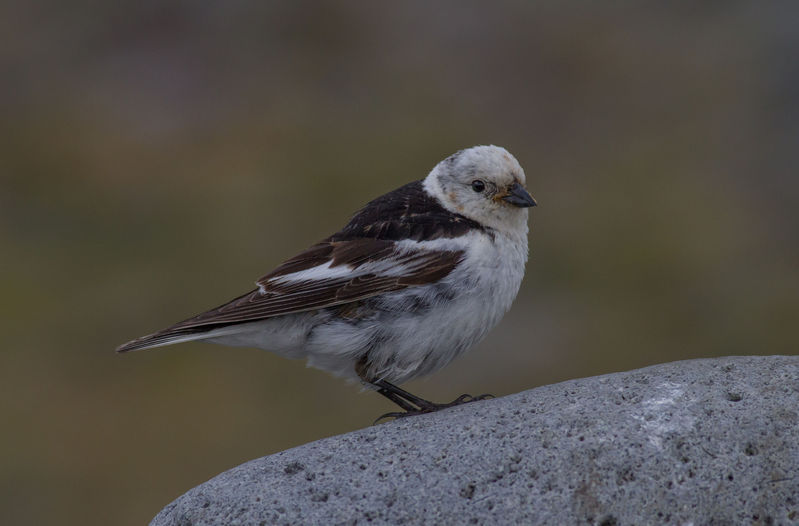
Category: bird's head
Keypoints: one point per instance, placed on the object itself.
(485, 184)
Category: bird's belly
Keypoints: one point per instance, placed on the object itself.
(413, 332)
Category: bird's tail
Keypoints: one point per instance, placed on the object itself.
(177, 334)
(165, 337)
(201, 327)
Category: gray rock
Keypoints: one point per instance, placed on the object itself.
(696, 442)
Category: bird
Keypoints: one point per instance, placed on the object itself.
(417, 277)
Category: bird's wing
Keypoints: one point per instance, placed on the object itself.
(327, 274)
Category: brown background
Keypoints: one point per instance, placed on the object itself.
(156, 158)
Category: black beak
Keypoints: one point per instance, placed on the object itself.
(519, 196)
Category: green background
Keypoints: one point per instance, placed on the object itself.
(158, 157)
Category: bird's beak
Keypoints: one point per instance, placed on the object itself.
(518, 196)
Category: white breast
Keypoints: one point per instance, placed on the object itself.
(481, 289)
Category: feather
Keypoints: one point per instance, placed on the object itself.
(279, 294)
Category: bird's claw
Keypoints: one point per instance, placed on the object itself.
(430, 407)
(398, 414)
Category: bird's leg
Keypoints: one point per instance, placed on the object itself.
(407, 401)
(394, 397)
(412, 404)
(392, 392)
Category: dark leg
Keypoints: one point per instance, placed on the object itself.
(410, 403)
(394, 397)
(413, 405)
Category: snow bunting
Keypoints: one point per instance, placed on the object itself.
(416, 278)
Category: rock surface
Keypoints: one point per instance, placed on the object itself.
(711, 441)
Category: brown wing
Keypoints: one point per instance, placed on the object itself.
(368, 267)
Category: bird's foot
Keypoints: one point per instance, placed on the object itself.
(429, 407)
(425, 406)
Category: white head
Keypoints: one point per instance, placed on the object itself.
(485, 184)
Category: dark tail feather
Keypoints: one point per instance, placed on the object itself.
(167, 336)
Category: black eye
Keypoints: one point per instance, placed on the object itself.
(478, 185)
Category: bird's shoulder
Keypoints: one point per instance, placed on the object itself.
(372, 234)
(407, 213)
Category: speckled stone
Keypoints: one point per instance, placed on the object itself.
(711, 441)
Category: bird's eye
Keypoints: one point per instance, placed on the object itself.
(478, 185)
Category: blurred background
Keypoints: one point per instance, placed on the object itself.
(158, 157)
